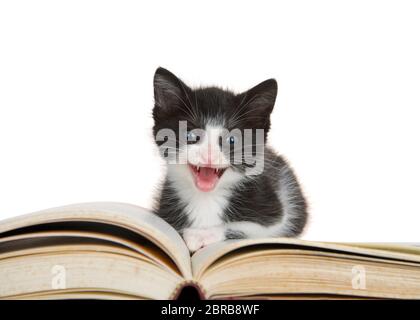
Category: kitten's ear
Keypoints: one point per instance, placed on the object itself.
(262, 97)
(257, 103)
(169, 90)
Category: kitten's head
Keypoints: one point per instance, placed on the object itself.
(209, 136)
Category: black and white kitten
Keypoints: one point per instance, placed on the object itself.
(208, 195)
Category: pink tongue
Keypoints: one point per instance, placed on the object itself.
(206, 179)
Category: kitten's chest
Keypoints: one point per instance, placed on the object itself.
(203, 209)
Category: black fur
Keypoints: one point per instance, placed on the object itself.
(255, 200)
(170, 208)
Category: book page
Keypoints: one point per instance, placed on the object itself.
(94, 267)
(203, 258)
(302, 271)
(27, 243)
(131, 217)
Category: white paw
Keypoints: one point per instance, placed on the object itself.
(199, 238)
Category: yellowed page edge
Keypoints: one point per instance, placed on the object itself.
(128, 216)
(203, 258)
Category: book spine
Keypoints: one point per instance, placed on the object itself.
(187, 290)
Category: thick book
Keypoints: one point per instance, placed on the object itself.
(122, 251)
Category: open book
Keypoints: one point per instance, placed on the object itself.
(115, 250)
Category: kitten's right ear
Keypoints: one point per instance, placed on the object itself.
(169, 90)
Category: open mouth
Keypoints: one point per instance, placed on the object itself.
(206, 178)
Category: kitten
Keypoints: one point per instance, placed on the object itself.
(208, 195)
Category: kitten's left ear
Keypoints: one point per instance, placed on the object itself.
(258, 102)
(169, 90)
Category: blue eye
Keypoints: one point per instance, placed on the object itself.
(231, 139)
(191, 137)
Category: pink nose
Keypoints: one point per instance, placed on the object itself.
(206, 156)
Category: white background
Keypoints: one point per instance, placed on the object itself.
(76, 97)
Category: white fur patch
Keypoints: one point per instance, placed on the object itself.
(207, 151)
(199, 238)
(204, 209)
